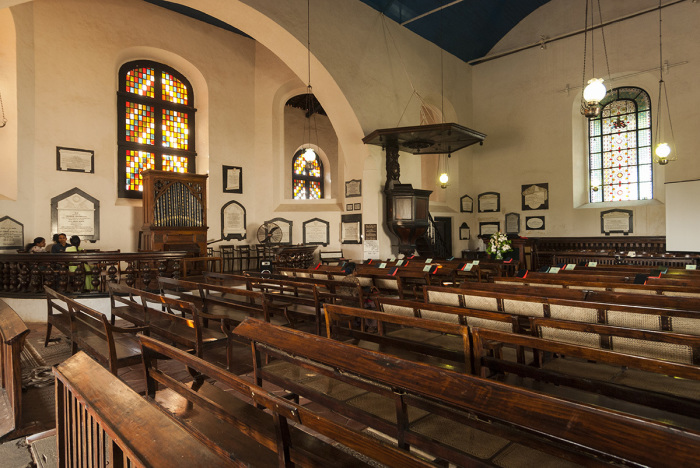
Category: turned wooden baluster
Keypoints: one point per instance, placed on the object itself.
(162, 268)
(14, 276)
(147, 275)
(176, 269)
(96, 276)
(6, 276)
(62, 277)
(79, 278)
(130, 278)
(23, 277)
(112, 273)
(49, 276)
(35, 278)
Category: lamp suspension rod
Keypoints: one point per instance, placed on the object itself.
(488, 58)
(3, 122)
(423, 15)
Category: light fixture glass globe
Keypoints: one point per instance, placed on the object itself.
(662, 150)
(309, 155)
(443, 178)
(595, 91)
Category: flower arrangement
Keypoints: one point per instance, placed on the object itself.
(498, 245)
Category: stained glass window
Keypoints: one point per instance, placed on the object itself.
(619, 148)
(155, 106)
(307, 178)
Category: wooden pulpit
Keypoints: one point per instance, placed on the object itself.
(174, 212)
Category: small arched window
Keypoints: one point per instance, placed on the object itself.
(619, 148)
(155, 111)
(307, 177)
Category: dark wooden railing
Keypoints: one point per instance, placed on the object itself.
(23, 275)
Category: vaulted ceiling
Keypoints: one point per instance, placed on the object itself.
(467, 29)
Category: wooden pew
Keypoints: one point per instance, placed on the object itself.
(402, 398)
(175, 320)
(13, 333)
(221, 408)
(100, 421)
(440, 343)
(599, 360)
(91, 331)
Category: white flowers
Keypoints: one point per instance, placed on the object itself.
(498, 244)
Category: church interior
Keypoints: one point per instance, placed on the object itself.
(349, 232)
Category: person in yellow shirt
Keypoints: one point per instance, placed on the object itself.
(75, 247)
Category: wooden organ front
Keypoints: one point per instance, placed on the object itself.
(174, 212)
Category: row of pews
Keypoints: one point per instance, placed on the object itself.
(480, 374)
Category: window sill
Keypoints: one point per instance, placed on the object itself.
(327, 204)
(620, 204)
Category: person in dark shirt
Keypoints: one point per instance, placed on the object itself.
(61, 245)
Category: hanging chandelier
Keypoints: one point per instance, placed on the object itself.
(595, 91)
(309, 124)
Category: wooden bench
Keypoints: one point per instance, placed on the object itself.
(459, 418)
(100, 421)
(440, 343)
(57, 315)
(221, 408)
(91, 331)
(331, 256)
(608, 364)
(13, 333)
(175, 320)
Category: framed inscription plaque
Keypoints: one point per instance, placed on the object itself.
(11, 234)
(353, 188)
(489, 202)
(535, 197)
(512, 223)
(464, 232)
(616, 222)
(534, 223)
(466, 204)
(76, 213)
(488, 228)
(351, 229)
(286, 227)
(75, 160)
(233, 221)
(233, 179)
(316, 232)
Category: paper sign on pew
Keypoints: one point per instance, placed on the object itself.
(570, 266)
(382, 265)
(467, 267)
(553, 270)
(691, 267)
(399, 263)
(428, 260)
(592, 264)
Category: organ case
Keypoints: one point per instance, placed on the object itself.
(174, 212)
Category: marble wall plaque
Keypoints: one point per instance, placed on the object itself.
(316, 231)
(76, 213)
(11, 234)
(286, 227)
(233, 221)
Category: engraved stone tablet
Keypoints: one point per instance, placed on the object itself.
(11, 234)
(316, 231)
(76, 213)
(233, 221)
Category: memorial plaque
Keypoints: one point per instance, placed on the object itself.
(233, 221)
(371, 244)
(512, 223)
(233, 179)
(351, 229)
(76, 160)
(489, 228)
(11, 234)
(316, 231)
(76, 213)
(466, 204)
(464, 232)
(286, 227)
(535, 197)
(353, 188)
(489, 202)
(534, 223)
(616, 221)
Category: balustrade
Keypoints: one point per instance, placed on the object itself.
(84, 272)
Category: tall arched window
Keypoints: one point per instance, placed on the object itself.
(155, 111)
(619, 148)
(307, 178)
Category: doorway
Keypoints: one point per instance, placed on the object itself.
(443, 225)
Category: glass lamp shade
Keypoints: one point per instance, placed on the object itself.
(595, 91)
(443, 179)
(309, 155)
(663, 150)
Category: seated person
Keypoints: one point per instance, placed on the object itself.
(54, 241)
(61, 244)
(39, 245)
(74, 246)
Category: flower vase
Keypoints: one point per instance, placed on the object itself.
(499, 255)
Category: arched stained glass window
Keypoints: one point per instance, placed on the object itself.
(307, 178)
(155, 108)
(620, 160)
